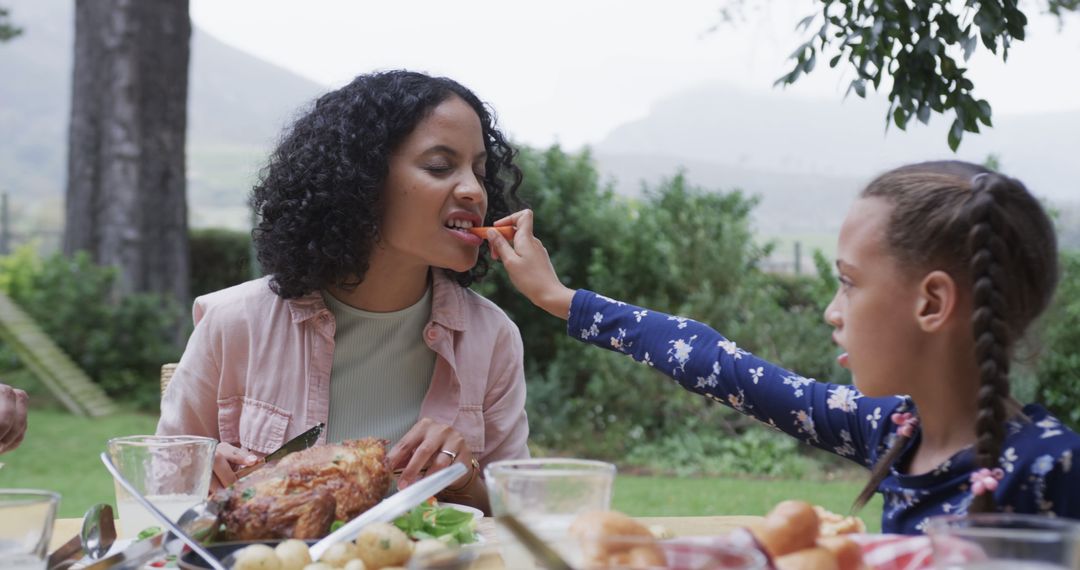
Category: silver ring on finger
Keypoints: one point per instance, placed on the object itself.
(453, 456)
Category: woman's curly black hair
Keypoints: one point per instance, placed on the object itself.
(319, 199)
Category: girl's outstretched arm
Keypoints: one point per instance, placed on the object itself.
(833, 417)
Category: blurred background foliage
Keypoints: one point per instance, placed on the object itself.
(678, 248)
(120, 342)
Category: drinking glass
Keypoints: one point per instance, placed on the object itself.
(26, 524)
(172, 472)
(546, 495)
(1004, 541)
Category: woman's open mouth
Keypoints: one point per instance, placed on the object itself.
(460, 229)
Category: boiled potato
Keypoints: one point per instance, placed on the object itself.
(355, 564)
(338, 555)
(293, 554)
(319, 566)
(428, 545)
(383, 545)
(257, 557)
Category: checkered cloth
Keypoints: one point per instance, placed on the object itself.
(895, 551)
(880, 551)
(735, 550)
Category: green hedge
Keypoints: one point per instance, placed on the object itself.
(1058, 346)
(219, 258)
(120, 343)
(680, 249)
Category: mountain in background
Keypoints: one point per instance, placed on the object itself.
(806, 159)
(237, 106)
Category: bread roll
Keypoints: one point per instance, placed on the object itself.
(791, 526)
(594, 524)
(848, 553)
(600, 533)
(833, 524)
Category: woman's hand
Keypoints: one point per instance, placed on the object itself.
(529, 266)
(12, 417)
(227, 459)
(432, 446)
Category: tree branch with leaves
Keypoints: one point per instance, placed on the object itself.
(923, 45)
(8, 30)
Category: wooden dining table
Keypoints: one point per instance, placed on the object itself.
(64, 529)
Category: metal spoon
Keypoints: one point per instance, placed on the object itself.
(160, 516)
(95, 539)
(201, 521)
(98, 531)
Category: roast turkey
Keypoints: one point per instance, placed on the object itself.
(303, 494)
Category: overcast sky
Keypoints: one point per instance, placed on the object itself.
(569, 71)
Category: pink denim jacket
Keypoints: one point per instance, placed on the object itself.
(256, 371)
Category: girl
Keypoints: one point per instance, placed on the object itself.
(364, 321)
(942, 267)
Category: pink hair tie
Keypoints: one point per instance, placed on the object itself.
(907, 422)
(985, 480)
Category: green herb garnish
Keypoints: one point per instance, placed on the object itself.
(248, 493)
(148, 532)
(336, 525)
(444, 523)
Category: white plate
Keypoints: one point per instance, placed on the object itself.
(476, 513)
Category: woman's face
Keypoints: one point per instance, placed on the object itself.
(874, 310)
(434, 188)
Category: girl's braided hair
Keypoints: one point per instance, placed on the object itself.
(986, 230)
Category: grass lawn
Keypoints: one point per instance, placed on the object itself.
(60, 453)
(663, 496)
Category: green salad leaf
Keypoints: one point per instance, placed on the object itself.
(148, 532)
(443, 523)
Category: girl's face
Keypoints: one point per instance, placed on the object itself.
(434, 188)
(875, 308)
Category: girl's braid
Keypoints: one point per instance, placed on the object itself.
(989, 254)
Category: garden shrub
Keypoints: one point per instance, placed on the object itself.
(120, 343)
(679, 249)
(220, 258)
(1057, 345)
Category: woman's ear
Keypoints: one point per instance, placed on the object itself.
(936, 302)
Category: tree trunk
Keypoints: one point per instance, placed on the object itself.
(126, 201)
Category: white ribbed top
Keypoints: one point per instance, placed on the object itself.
(382, 370)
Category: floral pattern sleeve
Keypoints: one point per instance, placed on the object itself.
(833, 417)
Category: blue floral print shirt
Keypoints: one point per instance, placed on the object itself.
(1039, 476)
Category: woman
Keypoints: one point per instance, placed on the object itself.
(364, 320)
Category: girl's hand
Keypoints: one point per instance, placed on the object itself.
(423, 447)
(227, 459)
(529, 266)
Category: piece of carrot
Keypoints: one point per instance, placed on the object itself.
(506, 231)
